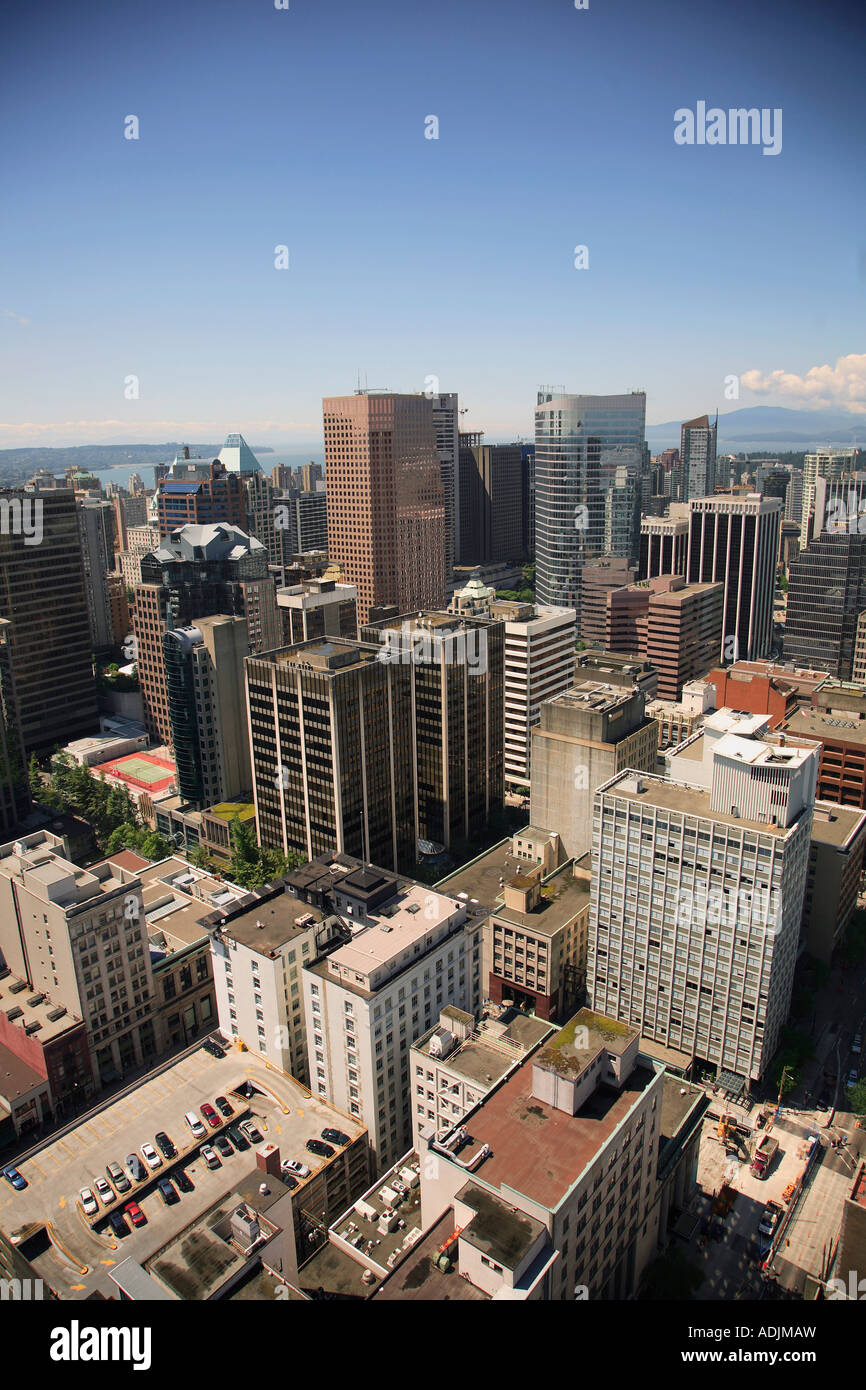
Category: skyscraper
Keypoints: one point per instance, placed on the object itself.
(201, 501)
(198, 572)
(97, 523)
(826, 595)
(697, 894)
(664, 542)
(734, 540)
(492, 498)
(698, 458)
(204, 671)
(386, 505)
(456, 683)
(42, 594)
(828, 463)
(446, 422)
(589, 457)
(14, 781)
(331, 747)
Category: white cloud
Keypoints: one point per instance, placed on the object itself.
(10, 314)
(843, 385)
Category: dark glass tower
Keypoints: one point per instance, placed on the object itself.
(826, 593)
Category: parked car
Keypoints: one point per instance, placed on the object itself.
(150, 1156)
(823, 1102)
(238, 1138)
(210, 1156)
(104, 1191)
(165, 1145)
(167, 1192)
(117, 1176)
(213, 1048)
(210, 1115)
(769, 1219)
(135, 1214)
(118, 1224)
(336, 1136)
(14, 1178)
(195, 1124)
(224, 1106)
(184, 1181)
(291, 1182)
(136, 1167)
(857, 1044)
(317, 1147)
(222, 1143)
(853, 1078)
(88, 1202)
(251, 1131)
(293, 1165)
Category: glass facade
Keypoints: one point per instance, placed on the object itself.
(589, 458)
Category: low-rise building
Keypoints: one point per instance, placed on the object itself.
(836, 854)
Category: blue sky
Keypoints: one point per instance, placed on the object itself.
(410, 257)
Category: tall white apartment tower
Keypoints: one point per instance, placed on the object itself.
(697, 894)
(407, 953)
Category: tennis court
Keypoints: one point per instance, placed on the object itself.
(141, 769)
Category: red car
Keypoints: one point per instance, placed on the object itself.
(135, 1214)
(210, 1115)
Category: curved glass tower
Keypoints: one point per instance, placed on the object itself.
(589, 458)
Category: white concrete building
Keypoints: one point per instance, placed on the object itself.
(258, 959)
(539, 664)
(408, 952)
(697, 893)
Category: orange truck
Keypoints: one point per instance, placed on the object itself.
(763, 1155)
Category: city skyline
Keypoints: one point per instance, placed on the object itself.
(164, 265)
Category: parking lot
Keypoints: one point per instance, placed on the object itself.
(73, 1254)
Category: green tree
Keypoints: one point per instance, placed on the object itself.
(35, 774)
(856, 1099)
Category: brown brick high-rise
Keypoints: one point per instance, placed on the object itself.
(386, 506)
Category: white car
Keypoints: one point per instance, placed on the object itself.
(853, 1078)
(88, 1201)
(857, 1044)
(297, 1169)
(150, 1156)
(104, 1191)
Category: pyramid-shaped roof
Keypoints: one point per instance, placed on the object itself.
(237, 457)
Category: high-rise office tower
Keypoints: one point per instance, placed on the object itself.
(585, 736)
(202, 501)
(301, 522)
(198, 572)
(675, 625)
(140, 541)
(97, 530)
(589, 456)
(446, 423)
(311, 477)
(735, 541)
(331, 746)
(237, 457)
(456, 675)
(528, 504)
(664, 542)
(698, 458)
(42, 594)
(386, 505)
(599, 577)
(826, 595)
(261, 499)
(492, 496)
(697, 894)
(204, 673)
(840, 504)
(14, 780)
(830, 463)
(318, 608)
(539, 664)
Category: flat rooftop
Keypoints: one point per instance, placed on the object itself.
(483, 880)
(835, 825)
(419, 1279)
(541, 1151)
(268, 925)
(45, 1019)
(678, 1100)
(496, 1229)
(593, 695)
(827, 727)
(331, 1273)
(398, 1205)
(562, 897)
(16, 1077)
(563, 1054)
(404, 920)
(689, 801)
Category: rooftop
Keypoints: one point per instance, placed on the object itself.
(483, 880)
(16, 1077)
(42, 1018)
(393, 1201)
(498, 1230)
(267, 925)
(562, 897)
(418, 1278)
(563, 1053)
(827, 727)
(836, 825)
(540, 1151)
(687, 800)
